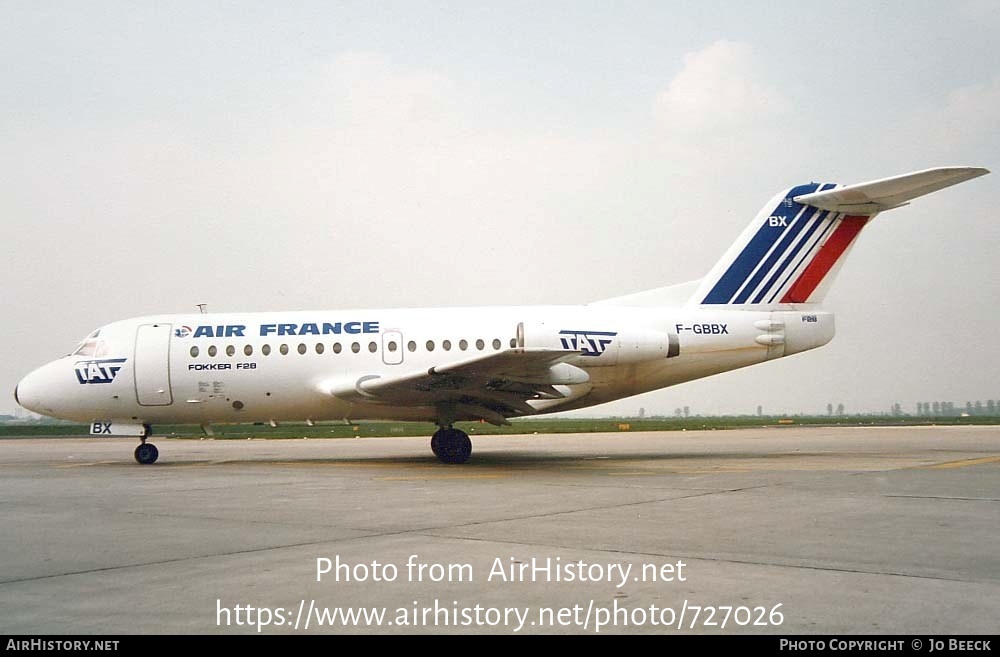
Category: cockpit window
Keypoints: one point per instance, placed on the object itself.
(92, 345)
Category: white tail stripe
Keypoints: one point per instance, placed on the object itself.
(778, 244)
(806, 257)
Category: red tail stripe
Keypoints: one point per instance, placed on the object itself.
(825, 259)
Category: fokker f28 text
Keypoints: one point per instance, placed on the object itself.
(761, 301)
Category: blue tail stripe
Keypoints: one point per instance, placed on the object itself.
(738, 272)
(818, 218)
(808, 255)
(772, 259)
(791, 258)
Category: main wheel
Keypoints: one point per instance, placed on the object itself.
(453, 446)
(146, 453)
(436, 440)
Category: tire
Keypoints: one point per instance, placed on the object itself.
(454, 447)
(436, 441)
(146, 454)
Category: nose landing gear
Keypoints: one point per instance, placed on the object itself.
(146, 453)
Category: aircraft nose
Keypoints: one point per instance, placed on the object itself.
(27, 393)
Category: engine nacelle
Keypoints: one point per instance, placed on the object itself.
(602, 347)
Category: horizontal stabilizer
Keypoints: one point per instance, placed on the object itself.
(794, 247)
(878, 195)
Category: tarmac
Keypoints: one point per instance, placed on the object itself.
(785, 530)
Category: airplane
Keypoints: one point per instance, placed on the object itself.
(761, 301)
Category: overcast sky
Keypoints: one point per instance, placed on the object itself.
(323, 155)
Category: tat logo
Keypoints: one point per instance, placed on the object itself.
(98, 371)
(182, 332)
(589, 343)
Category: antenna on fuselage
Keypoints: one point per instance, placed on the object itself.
(202, 307)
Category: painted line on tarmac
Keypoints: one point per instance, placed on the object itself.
(961, 464)
(447, 476)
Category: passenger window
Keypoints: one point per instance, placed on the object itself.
(319, 347)
(336, 347)
(392, 345)
(230, 350)
(480, 345)
(411, 345)
(212, 351)
(496, 343)
(302, 348)
(266, 350)
(283, 349)
(463, 344)
(194, 352)
(355, 347)
(430, 345)
(372, 347)
(446, 345)
(248, 350)
(513, 343)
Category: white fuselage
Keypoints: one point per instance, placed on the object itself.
(759, 302)
(295, 366)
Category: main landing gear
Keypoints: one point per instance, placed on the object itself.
(146, 453)
(451, 445)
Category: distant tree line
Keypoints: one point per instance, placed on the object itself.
(989, 408)
(949, 409)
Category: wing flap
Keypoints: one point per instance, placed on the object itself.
(490, 387)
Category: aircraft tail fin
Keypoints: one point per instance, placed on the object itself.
(792, 250)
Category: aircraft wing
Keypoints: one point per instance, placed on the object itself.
(878, 195)
(491, 387)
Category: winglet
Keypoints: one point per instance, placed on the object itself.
(878, 195)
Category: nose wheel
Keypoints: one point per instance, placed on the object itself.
(146, 453)
(451, 445)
